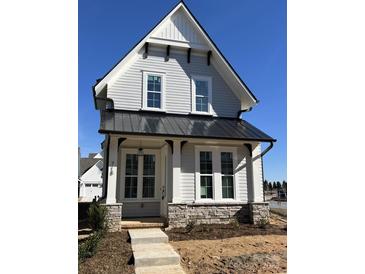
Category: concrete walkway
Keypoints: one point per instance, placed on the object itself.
(152, 253)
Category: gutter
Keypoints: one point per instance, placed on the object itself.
(262, 167)
(100, 98)
(242, 111)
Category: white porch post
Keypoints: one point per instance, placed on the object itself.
(112, 170)
(257, 183)
(176, 170)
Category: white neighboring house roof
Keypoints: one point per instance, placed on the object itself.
(179, 28)
(98, 155)
(91, 170)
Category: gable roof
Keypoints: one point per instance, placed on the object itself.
(86, 164)
(230, 75)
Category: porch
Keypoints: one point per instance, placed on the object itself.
(151, 174)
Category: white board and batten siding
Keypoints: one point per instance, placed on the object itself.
(126, 90)
(187, 179)
(180, 28)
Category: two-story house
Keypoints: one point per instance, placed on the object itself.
(175, 144)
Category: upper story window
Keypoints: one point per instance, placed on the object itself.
(201, 94)
(153, 91)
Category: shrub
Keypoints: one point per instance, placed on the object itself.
(97, 216)
(263, 223)
(190, 226)
(88, 248)
(234, 223)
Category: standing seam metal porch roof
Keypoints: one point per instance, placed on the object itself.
(177, 125)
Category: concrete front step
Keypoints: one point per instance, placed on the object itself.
(154, 255)
(142, 223)
(165, 269)
(147, 236)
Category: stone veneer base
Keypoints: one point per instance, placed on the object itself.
(179, 215)
(114, 216)
(259, 212)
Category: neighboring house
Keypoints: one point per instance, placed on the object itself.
(175, 145)
(90, 178)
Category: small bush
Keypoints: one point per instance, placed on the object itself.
(97, 216)
(234, 223)
(190, 226)
(263, 223)
(88, 248)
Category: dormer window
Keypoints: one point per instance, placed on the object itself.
(201, 94)
(153, 91)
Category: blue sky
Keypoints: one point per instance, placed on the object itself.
(250, 33)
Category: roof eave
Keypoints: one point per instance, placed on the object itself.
(103, 131)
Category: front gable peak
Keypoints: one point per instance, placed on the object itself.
(179, 28)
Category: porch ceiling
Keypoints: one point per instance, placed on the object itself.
(175, 125)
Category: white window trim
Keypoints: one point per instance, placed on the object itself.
(163, 89)
(217, 175)
(193, 94)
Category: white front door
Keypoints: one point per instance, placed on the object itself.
(140, 183)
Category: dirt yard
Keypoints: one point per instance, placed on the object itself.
(241, 248)
(229, 249)
(113, 255)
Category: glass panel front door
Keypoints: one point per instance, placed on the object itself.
(140, 176)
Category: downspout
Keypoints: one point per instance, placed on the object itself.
(262, 166)
(105, 172)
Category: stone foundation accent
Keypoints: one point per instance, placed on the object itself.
(114, 216)
(179, 215)
(258, 212)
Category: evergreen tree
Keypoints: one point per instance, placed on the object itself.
(270, 186)
(266, 185)
(278, 185)
(274, 185)
(284, 185)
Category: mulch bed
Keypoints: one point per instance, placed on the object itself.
(213, 232)
(113, 255)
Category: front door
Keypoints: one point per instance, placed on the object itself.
(140, 183)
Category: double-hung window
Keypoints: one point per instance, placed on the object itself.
(149, 163)
(206, 175)
(227, 174)
(131, 176)
(201, 94)
(153, 91)
(215, 173)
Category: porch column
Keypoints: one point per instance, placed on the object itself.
(112, 171)
(257, 183)
(176, 169)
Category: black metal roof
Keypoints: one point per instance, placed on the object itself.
(177, 125)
